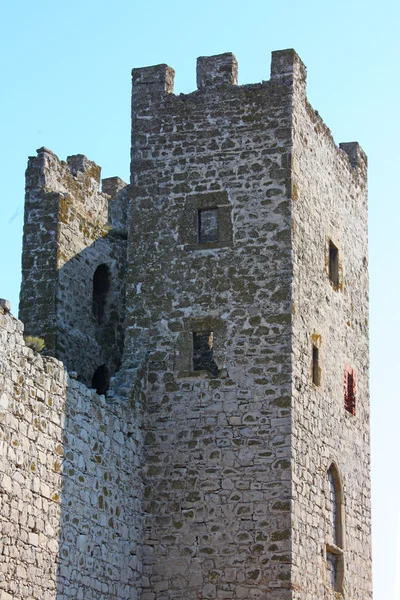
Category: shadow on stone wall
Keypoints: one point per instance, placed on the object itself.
(84, 341)
(101, 490)
(100, 498)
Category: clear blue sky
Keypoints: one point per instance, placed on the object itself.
(65, 69)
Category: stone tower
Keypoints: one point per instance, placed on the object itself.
(74, 248)
(247, 282)
(220, 301)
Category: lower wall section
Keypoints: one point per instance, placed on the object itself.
(70, 492)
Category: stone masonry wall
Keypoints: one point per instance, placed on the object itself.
(65, 240)
(83, 343)
(217, 447)
(70, 492)
(329, 203)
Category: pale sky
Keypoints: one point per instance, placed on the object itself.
(396, 587)
(65, 71)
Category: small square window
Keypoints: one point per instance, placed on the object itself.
(203, 360)
(333, 264)
(207, 226)
(206, 221)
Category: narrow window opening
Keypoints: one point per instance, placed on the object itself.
(350, 390)
(203, 343)
(332, 570)
(333, 508)
(207, 226)
(333, 264)
(101, 286)
(334, 531)
(101, 380)
(315, 366)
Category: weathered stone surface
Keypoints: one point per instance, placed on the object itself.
(71, 227)
(217, 449)
(204, 472)
(70, 489)
(5, 304)
(330, 204)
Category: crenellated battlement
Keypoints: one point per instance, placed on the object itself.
(217, 76)
(79, 163)
(216, 70)
(156, 82)
(287, 66)
(221, 69)
(355, 153)
(77, 178)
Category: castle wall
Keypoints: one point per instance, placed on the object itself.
(70, 492)
(72, 227)
(329, 203)
(217, 446)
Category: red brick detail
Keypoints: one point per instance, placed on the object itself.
(350, 389)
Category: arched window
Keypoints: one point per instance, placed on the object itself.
(334, 530)
(101, 286)
(101, 380)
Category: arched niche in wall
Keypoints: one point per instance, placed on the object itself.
(334, 530)
(101, 380)
(101, 287)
